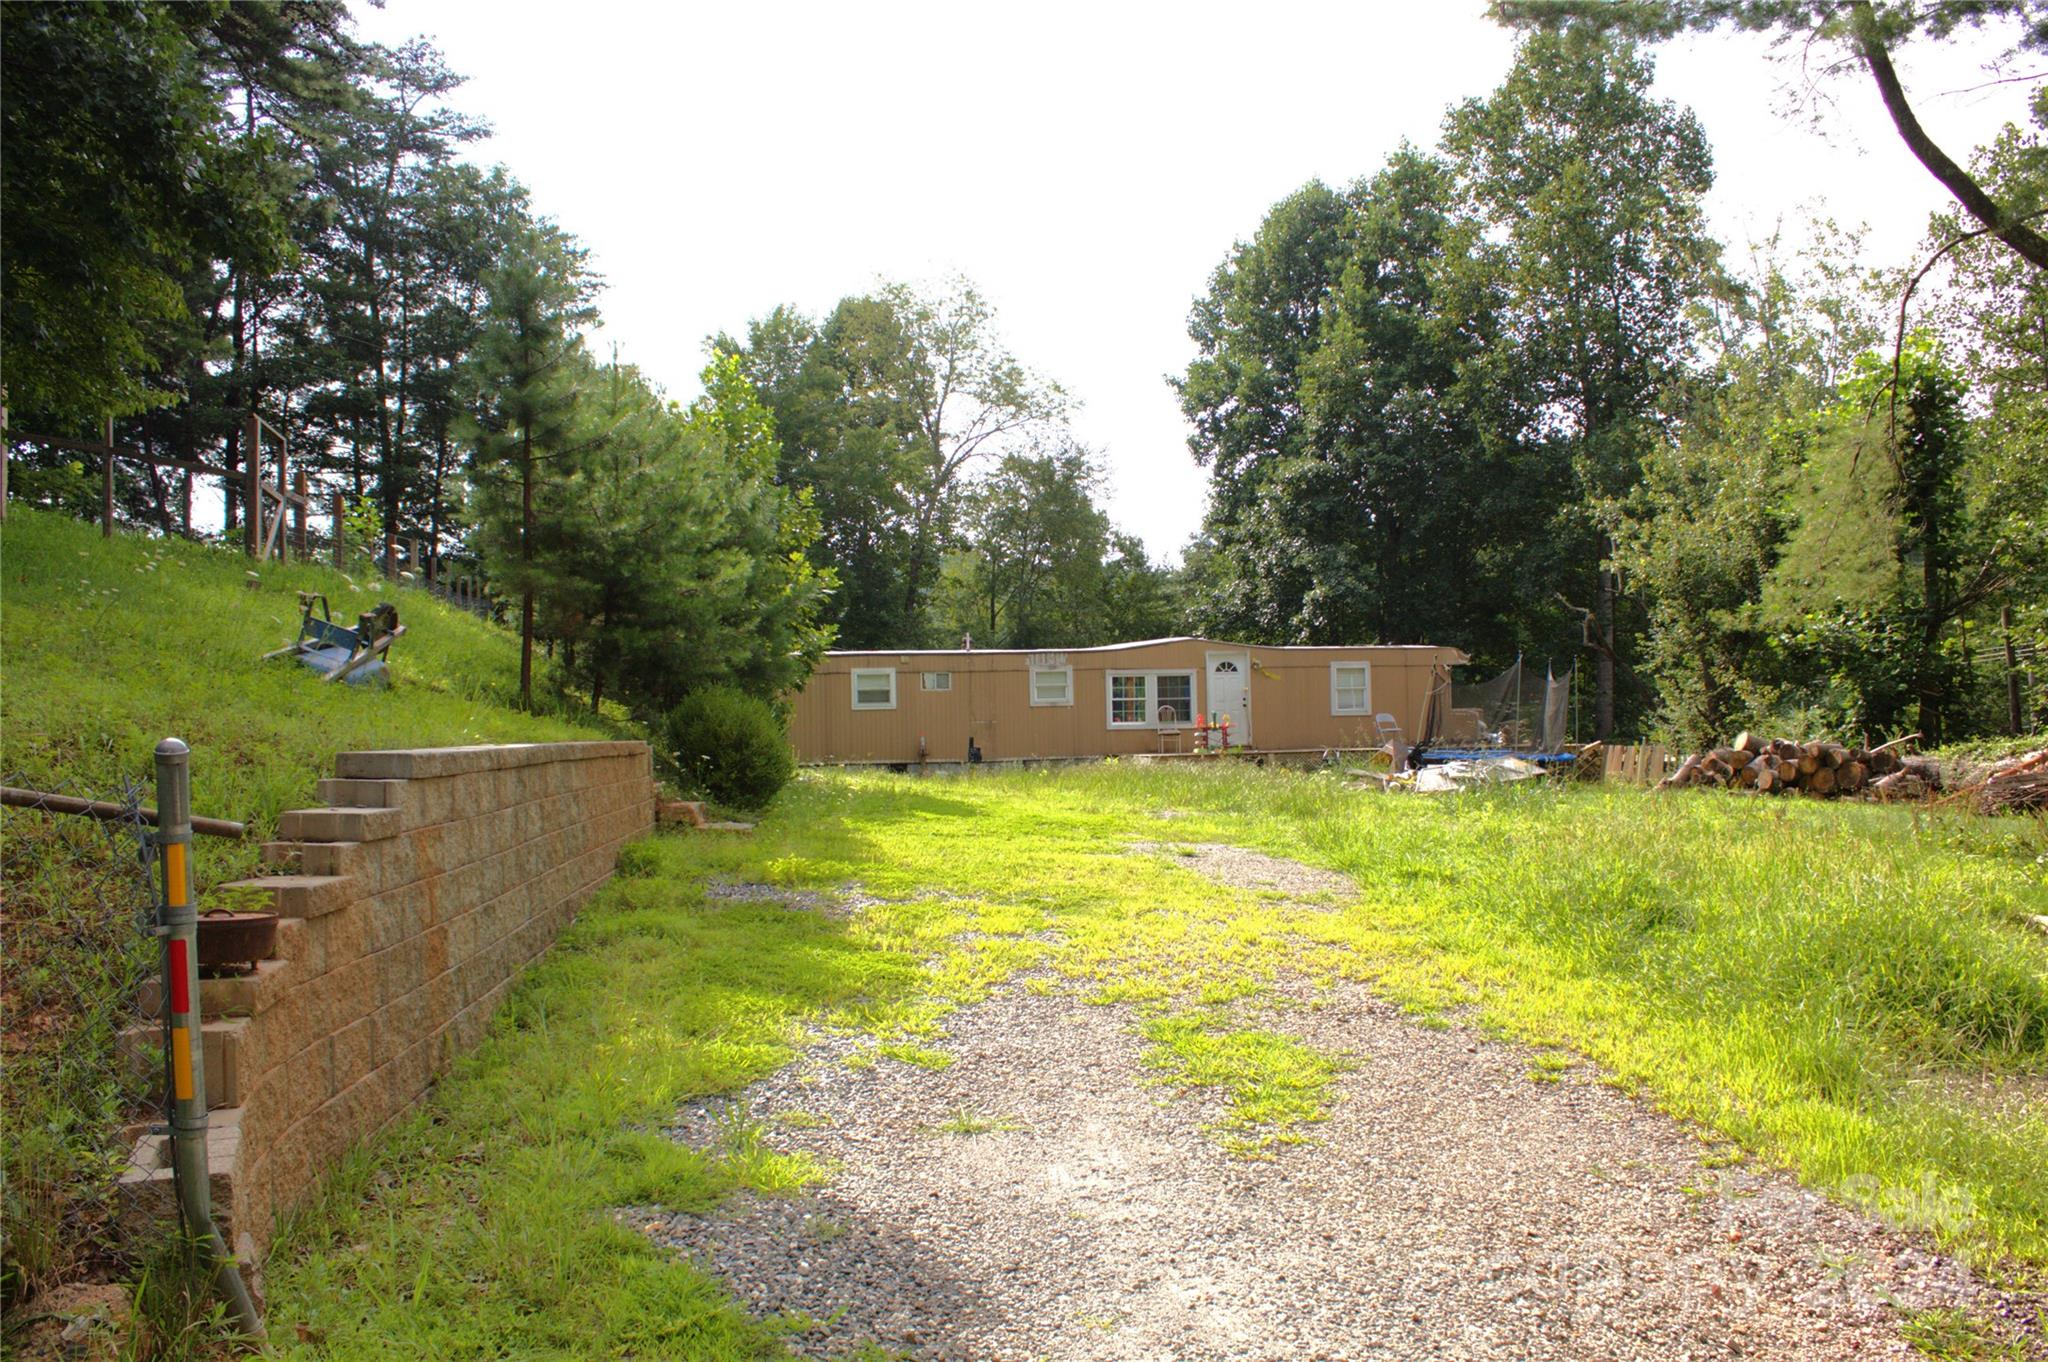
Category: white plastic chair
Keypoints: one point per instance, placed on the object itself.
(1170, 730)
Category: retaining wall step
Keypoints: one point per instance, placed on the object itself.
(141, 1048)
(313, 858)
(240, 995)
(146, 1191)
(361, 794)
(300, 895)
(342, 823)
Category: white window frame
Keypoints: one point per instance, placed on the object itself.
(1152, 702)
(1066, 700)
(857, 673)
(1365, 706)
(944, 678)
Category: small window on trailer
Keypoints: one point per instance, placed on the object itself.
(874, 688)
(1350, 688)
(938, 680)
(1052, 685)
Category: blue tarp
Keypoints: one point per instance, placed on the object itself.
(329, 658)
(1432, 756)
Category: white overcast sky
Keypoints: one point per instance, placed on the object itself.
(1087, 165)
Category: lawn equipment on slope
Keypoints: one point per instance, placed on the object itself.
(338, 652)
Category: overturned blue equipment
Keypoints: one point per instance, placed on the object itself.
(338, 652)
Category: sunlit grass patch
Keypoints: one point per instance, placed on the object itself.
(1804, 1019)
(972, 1121)
(1274, 1083)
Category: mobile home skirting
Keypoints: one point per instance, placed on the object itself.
(905, 705)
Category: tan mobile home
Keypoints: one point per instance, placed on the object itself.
(908, 705)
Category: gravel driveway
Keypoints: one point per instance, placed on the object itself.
(1455, 1207)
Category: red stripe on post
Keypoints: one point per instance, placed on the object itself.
(181, 988)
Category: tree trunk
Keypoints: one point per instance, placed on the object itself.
(526, 564)
(1927, 493)
(2014, 714)
(1603, 660)
(2006, 225)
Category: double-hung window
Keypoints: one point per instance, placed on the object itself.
(1350, 688)
(1052, 685)
(1176, 692)
(1143, 699)
(1128, 693)
(874, 688)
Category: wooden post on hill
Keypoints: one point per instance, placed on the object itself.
(3, 458)
(340, 533)
(252, 485)
(284, 487)
(107, 485)
(300, 499)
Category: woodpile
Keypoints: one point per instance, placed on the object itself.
(1831, 770)
(2015, 785)
(1822, 769)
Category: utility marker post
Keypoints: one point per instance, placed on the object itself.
(184, 1047)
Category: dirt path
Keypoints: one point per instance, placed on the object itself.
(1456, 1208)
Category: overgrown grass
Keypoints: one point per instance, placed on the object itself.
(110, 645)
(1832, 988)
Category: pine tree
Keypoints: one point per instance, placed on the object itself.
(527, 372)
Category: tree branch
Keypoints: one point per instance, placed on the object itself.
(1899, 337)
(2030, 244)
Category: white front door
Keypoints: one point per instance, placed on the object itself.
(1230, 692)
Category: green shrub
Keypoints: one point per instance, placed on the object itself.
(730, 747)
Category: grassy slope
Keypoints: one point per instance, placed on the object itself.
(112, 644)
(1827, 985)
(109, 645)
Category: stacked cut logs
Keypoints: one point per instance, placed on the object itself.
(1780, 766)
(2015, 785)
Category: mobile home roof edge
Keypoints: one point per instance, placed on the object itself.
(1139, 643)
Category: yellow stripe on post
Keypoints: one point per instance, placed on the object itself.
(181, 1063)
(174, 874)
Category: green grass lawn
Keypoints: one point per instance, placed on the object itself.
(1835, 988)
(109, 645)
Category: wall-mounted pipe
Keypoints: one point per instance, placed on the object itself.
(184, 1048)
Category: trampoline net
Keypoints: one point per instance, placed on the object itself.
(1516, 710)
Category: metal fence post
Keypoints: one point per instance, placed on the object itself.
(186, 1050)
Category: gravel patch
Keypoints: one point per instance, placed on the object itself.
(843, 901)
(1453, 1209)
(806, 900)
(1253, 870)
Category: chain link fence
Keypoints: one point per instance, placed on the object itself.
(76, 899)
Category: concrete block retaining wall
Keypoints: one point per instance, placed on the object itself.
(410, 906)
